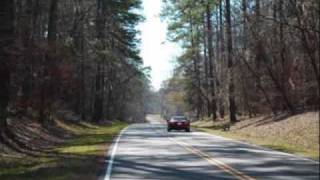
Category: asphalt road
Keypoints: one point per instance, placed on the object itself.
(148, 151)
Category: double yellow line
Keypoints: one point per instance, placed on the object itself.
(223, 166)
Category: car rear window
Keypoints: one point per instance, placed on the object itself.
(179, 118)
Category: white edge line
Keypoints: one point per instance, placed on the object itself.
(113, 153)
(261, 147)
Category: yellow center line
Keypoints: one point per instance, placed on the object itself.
(213, 161)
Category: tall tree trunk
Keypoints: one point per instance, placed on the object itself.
(222, 56)
(232, 104)
(100, 28)
(6, 41)
(78, 35)
(284, 74)
(244, 39)
(211, 64)
(318, 77)
(257, 45)
(47, 87)
(206, 64)
(27, 40)
(195, 57)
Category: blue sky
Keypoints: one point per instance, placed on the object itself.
(156, 51)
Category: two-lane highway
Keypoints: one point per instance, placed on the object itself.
(148, 151)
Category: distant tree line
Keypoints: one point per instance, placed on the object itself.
(80, 55)
(245, 57)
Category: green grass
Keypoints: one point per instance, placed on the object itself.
(81, 157)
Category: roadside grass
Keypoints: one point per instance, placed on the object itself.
(82, 156)
(298, 134)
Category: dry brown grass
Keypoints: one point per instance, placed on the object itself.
(298, 134)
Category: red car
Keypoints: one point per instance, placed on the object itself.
(178, 123)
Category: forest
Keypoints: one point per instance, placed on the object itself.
(81, 56)
(245, 57)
